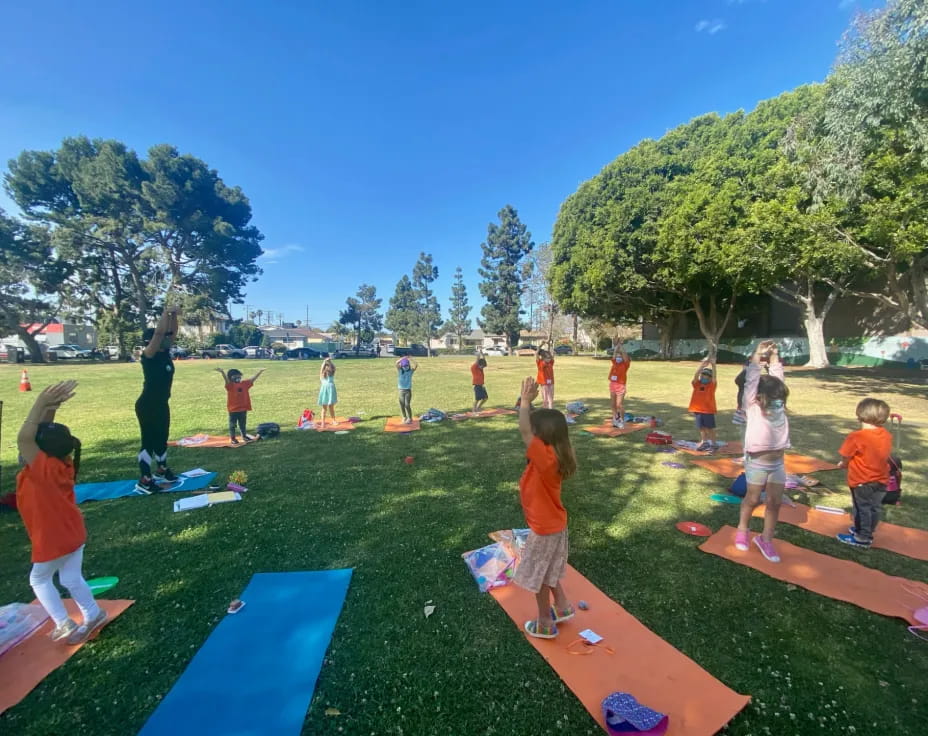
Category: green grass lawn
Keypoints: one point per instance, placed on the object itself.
(812, 665)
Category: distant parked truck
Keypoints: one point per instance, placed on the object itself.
(416, 350)
(222, 351)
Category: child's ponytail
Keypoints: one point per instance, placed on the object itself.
(76, 460)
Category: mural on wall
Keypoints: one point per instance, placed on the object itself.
(865, 351)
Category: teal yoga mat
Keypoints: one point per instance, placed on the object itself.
(119, 488)
(257, 671)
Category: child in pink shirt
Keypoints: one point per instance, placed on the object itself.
(766, 439)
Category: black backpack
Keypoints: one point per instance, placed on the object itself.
(268, 429)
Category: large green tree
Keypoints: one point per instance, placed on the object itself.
(402, 316)
(362, 312)
(135, 229)
(502, 270)
(31, 277)
(459, 313)
(424, 274)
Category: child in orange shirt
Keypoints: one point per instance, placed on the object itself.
(477, 378)
(702, 405)
(238, 401)
(618, 376)
(544, 361)
(45, 500)
(544, 560)
(865, 453)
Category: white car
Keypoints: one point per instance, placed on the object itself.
(495, 350)
(254, 351)
(70, 351)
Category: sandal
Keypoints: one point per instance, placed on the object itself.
(540, 632)
(565, 614)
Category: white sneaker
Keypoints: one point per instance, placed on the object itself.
(83, 632)
(63, 631)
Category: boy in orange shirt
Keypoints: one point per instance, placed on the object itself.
(865, 453)
(702, 405)
(45, 499)
(544, 560)
(618, 375)
(238, 401)
(476, 374)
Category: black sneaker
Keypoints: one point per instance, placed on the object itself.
(147, 486)
(233, 440)
(164, 474)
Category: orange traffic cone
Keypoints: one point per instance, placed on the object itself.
(24, 384)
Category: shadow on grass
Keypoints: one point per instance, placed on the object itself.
(319, 500)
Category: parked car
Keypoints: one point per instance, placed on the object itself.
(222, 351)
(254, 351)
(563, 350)
(305, 354)
(179, 353)
(495, 350)
(365, 351)
(71, 351)
(526, 350)
(416, 350)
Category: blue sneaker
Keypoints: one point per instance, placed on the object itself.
(853, 541)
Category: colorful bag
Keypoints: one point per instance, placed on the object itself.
(659, 438)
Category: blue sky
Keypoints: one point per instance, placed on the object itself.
(366, 132)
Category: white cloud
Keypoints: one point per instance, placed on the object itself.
(271, 255)
(710, 26)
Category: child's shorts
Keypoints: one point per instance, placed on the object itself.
(617, 388)
(480, 393)
(544, 561)
(705, 421)
(760, 473)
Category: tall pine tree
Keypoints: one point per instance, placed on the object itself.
(423, 274)
(402, 316)
(459, 314)
(363, 313)
(502, 271)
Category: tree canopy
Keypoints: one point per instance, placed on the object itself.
(501, 268)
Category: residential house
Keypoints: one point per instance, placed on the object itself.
(58, 333)
(469, 342)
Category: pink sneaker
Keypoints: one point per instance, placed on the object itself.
(741, 541)
(766, 549)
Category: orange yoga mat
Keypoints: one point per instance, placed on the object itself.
(643, 664)
(729, 448)
(607, 430)
(795, 464)
(842, 580)
(337, 425)
(902, 540)
(395, 424)
(31, 661)
(208, 440)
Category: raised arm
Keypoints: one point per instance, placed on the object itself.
(413, 365)
(620, 350)
(222, 373)
(166, 328)
(43, 410)
(257, 375)
(529, 394)
(775, 365)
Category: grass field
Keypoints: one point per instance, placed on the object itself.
(812, 665)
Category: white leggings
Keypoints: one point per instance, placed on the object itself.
(70, 576)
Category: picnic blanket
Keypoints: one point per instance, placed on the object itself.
(831, 577)
(395, 424)
(642, 664)
(902, 540)
(607, 430)
(339, 424)
(210, 440)
(32, 660)
(119, 488)
(795, 464)
(257, 670)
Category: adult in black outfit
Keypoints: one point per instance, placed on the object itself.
(151, 408)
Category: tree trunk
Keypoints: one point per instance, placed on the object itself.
(666, 330)
(576, 331)
(35, 352)
(710, 325)
(815, 333)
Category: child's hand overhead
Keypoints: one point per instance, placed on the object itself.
(529, 391)
(57, 393)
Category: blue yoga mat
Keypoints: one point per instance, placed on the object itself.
(120, 488)
(256, 673)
